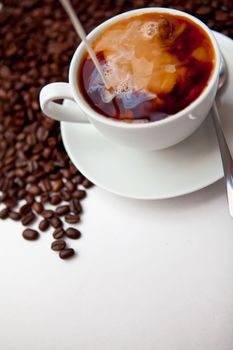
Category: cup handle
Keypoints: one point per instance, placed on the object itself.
(68, 111)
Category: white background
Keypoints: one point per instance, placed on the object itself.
(148, 275)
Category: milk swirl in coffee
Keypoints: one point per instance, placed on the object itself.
(156, 65)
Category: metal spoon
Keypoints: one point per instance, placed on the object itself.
(227, 160)
(80, 31)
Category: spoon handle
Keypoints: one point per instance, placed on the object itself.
(80, 31)
(227, 161)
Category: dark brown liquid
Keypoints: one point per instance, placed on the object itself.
(164, 62)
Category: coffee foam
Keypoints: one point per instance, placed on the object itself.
(136, 60)
(122, 88)
(149, 29)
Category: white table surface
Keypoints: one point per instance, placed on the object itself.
(149, 275)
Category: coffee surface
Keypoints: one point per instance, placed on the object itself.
(156, 64)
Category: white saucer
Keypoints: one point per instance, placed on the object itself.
(189, 166)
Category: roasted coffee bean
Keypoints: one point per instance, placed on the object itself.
(20, 172)
(62, 210)
(44, 197)
(30, 234)
(86, 183)
(79, 194)
(47, 153)
(31, 179)
(34, 190)
(45, 185)
(67, 174)
(10, 202)
(44, 225)
(38, 207)
(42, 134)
(221, 16)
(59, 233)
(72, 218)
(28, 218)
(75, 206)
(66, 253)
(73, 233)
(4, 213)
(58, 184)
(203, 10)
(55, 200)
(58, 245)
(78, 179)
(22, 194)
(66, 196)
(26, 208)
(73, 170)
(70, 186)
(55, 176)
(29, 199)
(47, 213)
(55, 222)
(14, 215)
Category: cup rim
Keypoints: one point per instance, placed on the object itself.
(78, 54)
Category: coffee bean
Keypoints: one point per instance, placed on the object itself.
(10, 202)
(37, 148)
(59, 233)
(38, 207)
(72, 218)
(67, 174)
(55, 176)
(42, 134)
(44, 225)
(26, 208)
(31, 179)
(58, 245)
(14, 215)
(73, 233)
(79, 194)
(34, 190)
(70, 186)
(221, 16)
(62, 210)
(45, 185)
(66, 196)
(4, 213)
(57, 185)
(20, 172)
(30, 234)
(203, 10)
(86, 183)
(28, 218)
(78, 179)
(55, 222)
(29, 199)
(47, 153)
(75, 206)
(44, 197)
(55, 200)
(47, 213)
(22, 194)
(66, 253)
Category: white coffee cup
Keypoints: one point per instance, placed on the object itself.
(145, 136)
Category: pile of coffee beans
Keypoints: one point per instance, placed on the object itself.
(37, 179)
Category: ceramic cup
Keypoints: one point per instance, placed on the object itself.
(146, 136)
